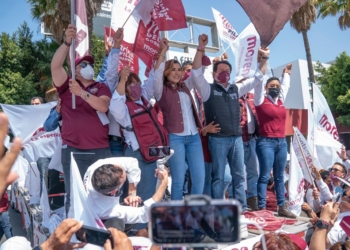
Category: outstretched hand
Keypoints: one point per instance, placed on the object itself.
(118, 38)
(342, 155)
(203, 40)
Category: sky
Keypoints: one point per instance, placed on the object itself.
(326, 39)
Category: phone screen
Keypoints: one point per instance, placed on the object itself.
(161, 151)
(93, 235)
(195, 224)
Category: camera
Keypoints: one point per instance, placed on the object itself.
(160, 151)
(93, 235)
(197, 221)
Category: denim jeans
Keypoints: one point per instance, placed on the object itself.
(187, 149)
(230, 148)
(84, 159)
(43, 164)
(251, 163)
(227, 178)
(272, 154)
(5, 225)
(208, 178)
(147, 185)
(117, 148)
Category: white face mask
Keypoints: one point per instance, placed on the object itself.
(87, 73)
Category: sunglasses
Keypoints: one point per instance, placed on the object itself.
(84, 64)
(335, 170)
(117, 194)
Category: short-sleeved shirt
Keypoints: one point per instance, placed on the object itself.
(81, 127)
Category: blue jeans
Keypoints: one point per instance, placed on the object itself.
(227, 178)
(5, 225)
(117, 148)
(147, 185)
(187, 149)
(251, 164)
(207, 180)
(230, 148)
(272, 154)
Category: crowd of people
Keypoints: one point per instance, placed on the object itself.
(218, 131)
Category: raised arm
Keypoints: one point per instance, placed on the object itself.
(112, 76)
(159, 69)
(259, 88)
(59, 75)
(285, 82)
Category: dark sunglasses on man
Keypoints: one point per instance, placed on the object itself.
(84, 64)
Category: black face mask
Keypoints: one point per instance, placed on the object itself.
(273, 92)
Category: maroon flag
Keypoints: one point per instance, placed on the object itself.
(126, 56)
(169, 15)
(82, 38)
(269, 16)
(147, 42)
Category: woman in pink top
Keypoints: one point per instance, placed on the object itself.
(271, 146)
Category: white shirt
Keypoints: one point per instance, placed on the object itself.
(190, 127)
(108, 206)
(316, 205)
(259, 91)
(250, 118)
(112, 79)
(337, 234)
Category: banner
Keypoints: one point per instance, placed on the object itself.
(121, 10)
(245, 48)
(301, 150)
(225, 30)
(143, 10)
(147, 42)
(126, 56)
(82, 38)
(81, 209)
(169, 15)
(295, 184)
(325, 134)
(26, 122)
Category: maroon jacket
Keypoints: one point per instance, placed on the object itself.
(249, 97)
(170, 105)
(4, 203)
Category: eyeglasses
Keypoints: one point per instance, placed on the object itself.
(134, 84)
(335, 170)
(84, 64)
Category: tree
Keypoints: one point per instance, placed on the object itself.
(56, 15)
(15, 88)
(335, 7)
(98, 52)
(335, 86)
(301, 21)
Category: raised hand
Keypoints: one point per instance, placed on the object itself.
(118, 38)
(342, 155)
(70, 33)
(203, 40)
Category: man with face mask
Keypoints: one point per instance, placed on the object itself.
(85, 128)
(221, 103)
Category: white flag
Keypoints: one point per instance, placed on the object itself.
(26, 122)
(295, 184)
(225, 30)
(245, 48)
(81, 209)
(121, 10)
(143, 10)
(303, 153)
(326, 145)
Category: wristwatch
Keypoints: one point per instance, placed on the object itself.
(322, 224)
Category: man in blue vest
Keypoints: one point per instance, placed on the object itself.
(221, 105)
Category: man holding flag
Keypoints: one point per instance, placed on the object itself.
(85, 128)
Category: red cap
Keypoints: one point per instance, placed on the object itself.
(299, 241)
(84, 58)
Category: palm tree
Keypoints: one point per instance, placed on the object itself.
(301, 21)
(56, 15)
(334, 7)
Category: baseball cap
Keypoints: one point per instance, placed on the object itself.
(84, 58)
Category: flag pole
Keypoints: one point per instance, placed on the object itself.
(128, 17)
(302, 152)
(72, 48)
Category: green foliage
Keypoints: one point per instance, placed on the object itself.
(98, 52)
(335, 85)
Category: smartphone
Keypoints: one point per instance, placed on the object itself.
(196, 224)
(160, 151)
(93, 235)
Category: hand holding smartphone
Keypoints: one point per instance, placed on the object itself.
(93, 236)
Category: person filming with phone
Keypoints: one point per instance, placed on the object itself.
(103, 181)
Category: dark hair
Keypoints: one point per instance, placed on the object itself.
(324, 174)
(215, 66)
(277, 241)
(107, 178)
(342, 165)
(168, 68)
(185, 63)
(272, 79)
(345, 245)
(37, 97)
(131, 76)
